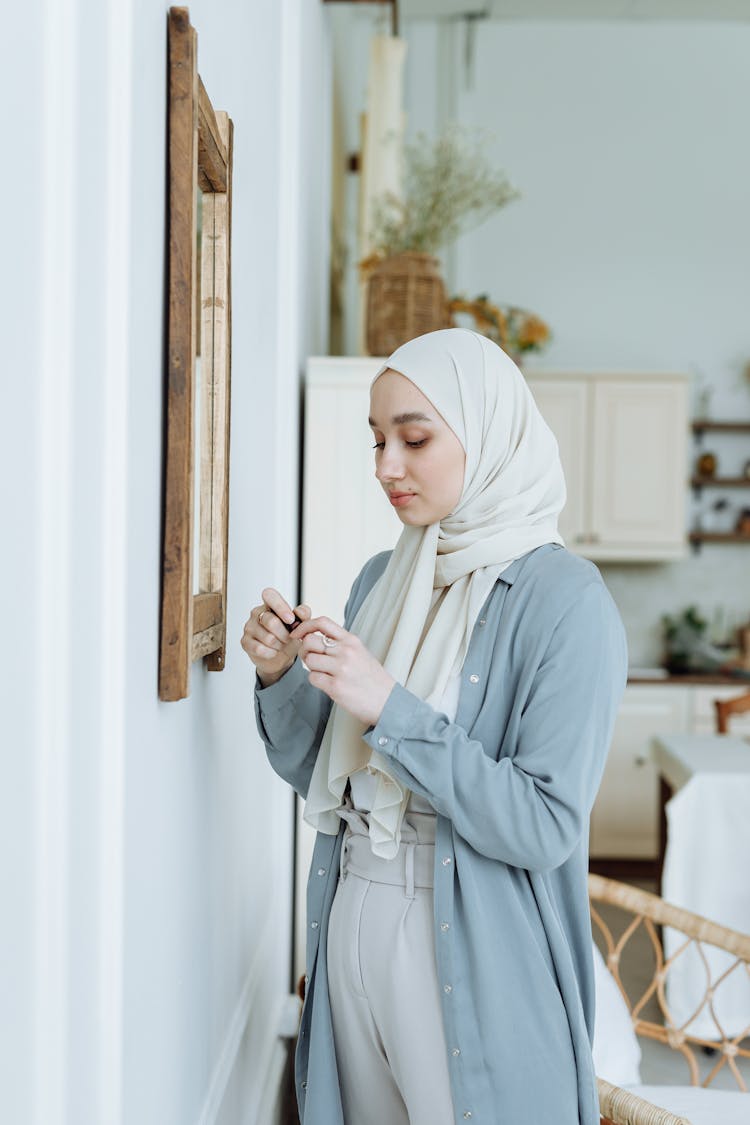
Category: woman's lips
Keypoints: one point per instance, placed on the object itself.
(398, 499)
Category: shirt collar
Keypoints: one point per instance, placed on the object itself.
(511, 572)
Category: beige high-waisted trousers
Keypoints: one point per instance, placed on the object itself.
(382, 979)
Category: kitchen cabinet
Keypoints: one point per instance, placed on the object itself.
(623, 441)
(623, 446)
(625, 816)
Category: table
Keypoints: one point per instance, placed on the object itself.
(705, 867)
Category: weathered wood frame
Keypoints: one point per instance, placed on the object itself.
(200, 157)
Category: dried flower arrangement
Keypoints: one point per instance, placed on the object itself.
(449, 187)
(516, 330)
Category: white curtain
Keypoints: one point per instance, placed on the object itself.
(382, 130)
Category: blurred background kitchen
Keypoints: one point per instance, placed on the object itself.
(615, 276)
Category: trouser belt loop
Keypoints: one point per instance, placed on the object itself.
(409, 870)
(342, 857)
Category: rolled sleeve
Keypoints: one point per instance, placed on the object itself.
(291, 715)
(275, 696)
(396, 719)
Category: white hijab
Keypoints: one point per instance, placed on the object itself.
(513, 492)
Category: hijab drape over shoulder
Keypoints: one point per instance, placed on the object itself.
(513, 492)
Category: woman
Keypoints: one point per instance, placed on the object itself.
(449, 742)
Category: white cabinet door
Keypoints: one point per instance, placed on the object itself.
(625, 816)
(563, 403)
(346, 517)
(623, 446)
(638, 491)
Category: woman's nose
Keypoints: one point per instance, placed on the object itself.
(389, 467)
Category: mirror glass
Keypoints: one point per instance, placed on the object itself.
(198, 398)
(203, 431)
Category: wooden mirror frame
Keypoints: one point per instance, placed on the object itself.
(200, 157)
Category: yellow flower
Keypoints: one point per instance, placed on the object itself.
(533, 332)
(513, 329)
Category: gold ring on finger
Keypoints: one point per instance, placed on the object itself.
(261, 615)
(328, 642)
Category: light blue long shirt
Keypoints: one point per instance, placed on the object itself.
(513, 780)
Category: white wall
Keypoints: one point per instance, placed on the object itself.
(633, 234)
(147, 845)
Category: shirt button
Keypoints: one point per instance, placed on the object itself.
(447, 988)
(321, 871)
(467, 1114)
(446, 860)
(474, 679)
(456, 1051)
(382, 741)
(304, 1087)
(444, 926)
(483, 621)
(313, 925)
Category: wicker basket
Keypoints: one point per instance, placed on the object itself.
(405, 298)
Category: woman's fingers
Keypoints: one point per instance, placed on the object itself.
(320, 662)
(314, 642)
(320, 625)
(275, 611)
(303, 612)
(266, 636)
(278, 604)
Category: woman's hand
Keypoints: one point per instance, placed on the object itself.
(345, 670)
(269, 645)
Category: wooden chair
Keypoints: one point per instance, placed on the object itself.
(619, 1107)
(622, 1106)
(727, 707)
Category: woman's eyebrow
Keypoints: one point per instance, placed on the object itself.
(402, 419)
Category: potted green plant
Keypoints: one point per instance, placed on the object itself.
(682, 639)
(449, 187)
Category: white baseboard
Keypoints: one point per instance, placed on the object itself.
(267, 1110)
(273, 1062)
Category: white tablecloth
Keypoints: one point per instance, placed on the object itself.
(707, 870)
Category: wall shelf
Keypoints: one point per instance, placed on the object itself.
(720, 482)
(700, 481)
(701, 424)
(718, 537)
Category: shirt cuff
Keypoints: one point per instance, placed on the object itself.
(276, 695)
(396, 720)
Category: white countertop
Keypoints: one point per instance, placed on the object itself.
(679, 757)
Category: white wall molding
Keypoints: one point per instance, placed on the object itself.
(268, 1107)
(113, 560)
(238, 1024)
(51, 613)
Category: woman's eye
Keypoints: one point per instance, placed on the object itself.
(412, 444)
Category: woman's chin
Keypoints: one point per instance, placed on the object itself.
(414, 519)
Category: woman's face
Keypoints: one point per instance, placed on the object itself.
(417, 454)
